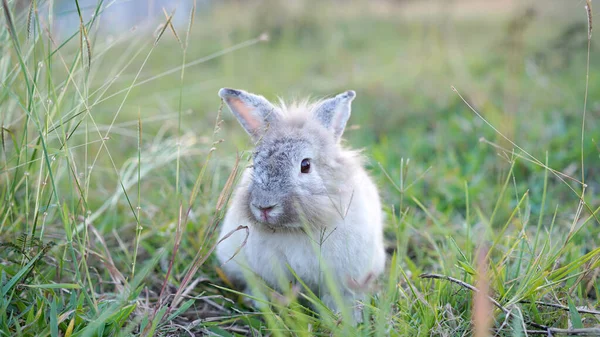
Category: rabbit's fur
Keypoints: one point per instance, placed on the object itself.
(326, 220)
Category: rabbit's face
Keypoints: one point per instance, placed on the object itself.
(286, 178)
(296, 163)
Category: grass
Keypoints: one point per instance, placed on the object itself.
(117, 163)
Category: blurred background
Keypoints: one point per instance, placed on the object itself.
(521, 64)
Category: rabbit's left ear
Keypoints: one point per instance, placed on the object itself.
(253, 112)
(333, 113)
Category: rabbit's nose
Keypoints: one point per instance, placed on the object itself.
(265, 210)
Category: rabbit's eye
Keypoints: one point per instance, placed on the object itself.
(305, 165)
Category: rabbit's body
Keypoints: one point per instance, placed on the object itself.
(307, 202)
(352, 251)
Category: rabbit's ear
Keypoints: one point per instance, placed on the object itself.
(253, 112)
(333, 113)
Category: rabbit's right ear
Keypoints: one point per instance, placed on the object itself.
(333, 113)
(253, 112)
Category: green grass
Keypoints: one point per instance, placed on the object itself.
(116, 163)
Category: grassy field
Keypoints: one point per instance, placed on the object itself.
(117, 160)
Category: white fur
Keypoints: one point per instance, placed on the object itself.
(350, 247)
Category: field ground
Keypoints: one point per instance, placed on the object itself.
(115, 163)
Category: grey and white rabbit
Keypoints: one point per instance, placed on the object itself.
(307, 201)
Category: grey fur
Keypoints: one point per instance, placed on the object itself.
(276, 178)
(254, 112)
(334, 112)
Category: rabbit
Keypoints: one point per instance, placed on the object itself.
(307, 202)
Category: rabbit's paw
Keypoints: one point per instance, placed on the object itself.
(254, 299)
(356, 309)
